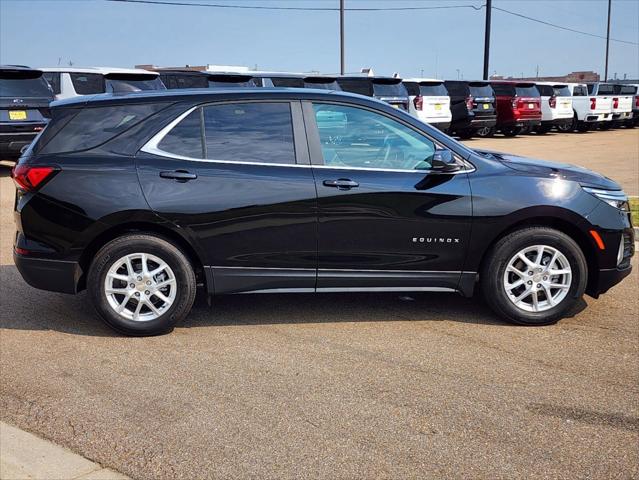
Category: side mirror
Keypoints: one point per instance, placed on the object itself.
(444, 161)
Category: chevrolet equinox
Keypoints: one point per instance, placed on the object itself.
(141, 199)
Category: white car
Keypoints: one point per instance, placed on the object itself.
(73, 82)
(623, 104)
(590, 110)
(556, 106)
(428, 100)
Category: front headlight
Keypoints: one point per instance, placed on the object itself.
(614, 198)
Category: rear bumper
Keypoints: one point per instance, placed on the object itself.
(12, 143)
(53, 275)
(485, 121)
(557, 122)
(521, 122)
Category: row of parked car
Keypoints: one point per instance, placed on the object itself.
(459, 107)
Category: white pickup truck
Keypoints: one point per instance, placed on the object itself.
(556, 106)
(590, 109)
(623, 104)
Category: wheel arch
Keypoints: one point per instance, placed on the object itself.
(585, 243)
(116, 231)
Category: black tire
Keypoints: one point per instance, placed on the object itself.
(185, 283)
(568, 127)
(542, 129)
(511, 131)
(583, 127)
(465, 134)
(492, 274)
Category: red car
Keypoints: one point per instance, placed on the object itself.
(518, 106)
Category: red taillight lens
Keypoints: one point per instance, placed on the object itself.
(615, 103)
(552, 101)
(418, 101)
(593, 103)
(470, 103)
(637, 101)
(30, 178)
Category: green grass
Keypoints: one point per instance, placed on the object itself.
(634, 208)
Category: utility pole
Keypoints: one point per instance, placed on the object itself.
(489, 6)
(342, 62)
(607, 41)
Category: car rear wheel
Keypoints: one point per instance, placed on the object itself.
(485, 132)
(534, 276)
(141, 285)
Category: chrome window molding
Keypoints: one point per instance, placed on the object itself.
(152, 147)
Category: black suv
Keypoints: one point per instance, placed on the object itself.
(388, 89)
(472, 105)
(24, 107)
(142, 198)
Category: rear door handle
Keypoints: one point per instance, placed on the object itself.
(179, 175)
(341, 183)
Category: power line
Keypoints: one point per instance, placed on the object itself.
(310, 9)
(561, 27)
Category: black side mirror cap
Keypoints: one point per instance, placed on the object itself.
(444, 161)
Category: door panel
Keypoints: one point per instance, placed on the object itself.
(396, 228)
(255, 222)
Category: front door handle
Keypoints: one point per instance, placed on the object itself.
(341, 183)
(179, 175)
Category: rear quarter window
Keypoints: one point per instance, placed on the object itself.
(93, 126)
(53, 79)
(87, 83)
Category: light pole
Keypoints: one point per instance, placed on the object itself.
(607, 41)
(342, 62)
(489, 5)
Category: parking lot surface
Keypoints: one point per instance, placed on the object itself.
(336, 386)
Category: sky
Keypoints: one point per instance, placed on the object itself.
(443, 43)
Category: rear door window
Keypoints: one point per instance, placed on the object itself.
(606, 89)
(87, 83)
(388, 89)
(249, 132)
(363, 86)
(526, 91)
(94, 126)
(23, 84)
(185, 139)
(479, 90)
(433, 89)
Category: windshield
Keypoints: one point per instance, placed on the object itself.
(561, 91)
(479, 90)
(15, 85)
(136, 85)
(389, 89)
(526, 91)
(432, 89)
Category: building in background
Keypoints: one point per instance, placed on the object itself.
(573, 77)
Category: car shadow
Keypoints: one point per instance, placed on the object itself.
(26, 308)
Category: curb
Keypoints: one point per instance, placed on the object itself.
(23, 455)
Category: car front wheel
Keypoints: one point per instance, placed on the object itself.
(534, 276)
(141, 284)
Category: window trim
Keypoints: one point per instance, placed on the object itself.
(299, 146)
(315, 146)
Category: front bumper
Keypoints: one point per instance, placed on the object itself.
(46, 274)
(609, 278)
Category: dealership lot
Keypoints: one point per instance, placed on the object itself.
(337, 385)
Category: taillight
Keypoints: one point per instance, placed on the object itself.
(418, 101)
(469, 103)
(615, 103)
(637, 101)
(30, 178)
(593, 103)
(552, 101)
